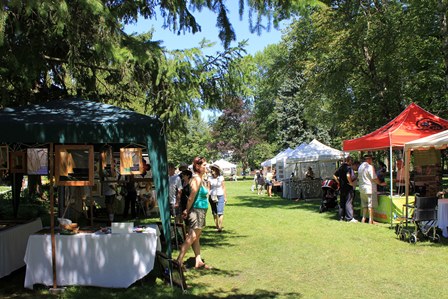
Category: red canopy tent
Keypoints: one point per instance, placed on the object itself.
(413, 123)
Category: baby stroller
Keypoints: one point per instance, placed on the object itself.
(424, 219)
(329, 195)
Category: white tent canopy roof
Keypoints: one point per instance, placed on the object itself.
(283, 154)
(315, 151)
(270, 162)
(327, 153)
(224, 164)
(437, 141)
(296, 151)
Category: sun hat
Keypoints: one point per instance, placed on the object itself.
(216, 166)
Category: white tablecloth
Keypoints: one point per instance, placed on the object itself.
(442, 216)
(104, 260)
(13, 245)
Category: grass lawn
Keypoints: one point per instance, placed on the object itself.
(276, 248)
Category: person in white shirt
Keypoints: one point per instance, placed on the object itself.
(110, 193)
(367, 181)
(218, 197)
(175, 192)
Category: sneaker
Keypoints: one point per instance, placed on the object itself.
(354, 220)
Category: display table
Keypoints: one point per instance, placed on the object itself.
(13, 240)
(302, 189)
(97, 259)
(386, 207)
(442, 216)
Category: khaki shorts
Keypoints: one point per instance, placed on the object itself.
(369, 200)
(196, 218)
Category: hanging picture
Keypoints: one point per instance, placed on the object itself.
(4, 158)
(74, 165)
(131, 161)
(37, 161)
(107, 163)
(17, 162)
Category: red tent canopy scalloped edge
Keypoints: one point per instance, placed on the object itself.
(413, 123)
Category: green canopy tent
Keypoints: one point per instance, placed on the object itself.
(78, 121)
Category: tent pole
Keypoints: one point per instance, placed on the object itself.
(391, 185)
(53, 238)
(407, 161)
(91, 207)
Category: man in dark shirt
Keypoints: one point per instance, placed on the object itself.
(346, 179)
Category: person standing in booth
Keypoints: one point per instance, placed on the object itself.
(399, 180)
(310, 173)
(130, 199)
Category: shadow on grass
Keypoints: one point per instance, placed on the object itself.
(11, 287)
(233, 293)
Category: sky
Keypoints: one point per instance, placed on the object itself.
(207, 20)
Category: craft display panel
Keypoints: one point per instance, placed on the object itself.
(74, 165)
(131, 161)
(37, 161)
(17, 162)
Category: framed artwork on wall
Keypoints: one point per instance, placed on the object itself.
(17, 162)
(74, 165)
(131, 161)
(4, 157)
(37, 161)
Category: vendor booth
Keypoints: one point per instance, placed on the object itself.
(429, 147)
(321, 159)
(413, 123)
(70, 131)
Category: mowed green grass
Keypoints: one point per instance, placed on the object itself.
(274, 247)
(277, 248)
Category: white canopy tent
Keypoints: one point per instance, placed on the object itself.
(437, 141)
(317, 155)
(280, 164)
(226, 167)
